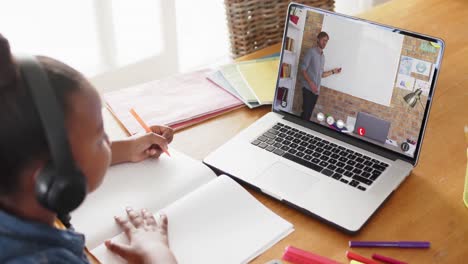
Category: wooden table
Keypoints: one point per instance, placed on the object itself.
(428, 205)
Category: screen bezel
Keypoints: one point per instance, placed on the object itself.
(355, 140)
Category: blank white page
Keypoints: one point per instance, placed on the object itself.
(219, 222)
(151, 184)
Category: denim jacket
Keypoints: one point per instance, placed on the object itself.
(23, 241)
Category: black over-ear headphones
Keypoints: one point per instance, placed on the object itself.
(60, 186)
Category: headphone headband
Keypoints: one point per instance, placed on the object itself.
(50, 112)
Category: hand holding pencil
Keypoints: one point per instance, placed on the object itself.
(154, 142)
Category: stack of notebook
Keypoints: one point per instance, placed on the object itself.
(186, 99)
(253, 82)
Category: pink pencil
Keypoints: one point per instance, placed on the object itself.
(299, 256)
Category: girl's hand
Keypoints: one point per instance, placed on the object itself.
(140, 147)
(150, 144)
(166, 132)
(148, 239)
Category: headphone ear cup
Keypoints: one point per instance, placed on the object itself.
(60, 193)
(43, 184)
(67, 193)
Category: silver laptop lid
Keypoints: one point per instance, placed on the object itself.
(334, 67)
(371, 127)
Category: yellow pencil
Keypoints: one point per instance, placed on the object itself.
(145, 126)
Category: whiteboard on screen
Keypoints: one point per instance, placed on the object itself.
(368, 56)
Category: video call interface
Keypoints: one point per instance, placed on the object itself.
(356, 78)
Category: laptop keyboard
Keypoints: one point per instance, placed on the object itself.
(342, 164)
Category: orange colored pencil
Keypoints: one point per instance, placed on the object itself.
(145, 126)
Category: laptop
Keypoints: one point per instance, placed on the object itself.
(304, 152)
(376, 128)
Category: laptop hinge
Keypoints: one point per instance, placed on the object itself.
(348, 139)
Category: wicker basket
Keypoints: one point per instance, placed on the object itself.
(255, 24)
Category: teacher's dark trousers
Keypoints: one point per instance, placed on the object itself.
(308, 103)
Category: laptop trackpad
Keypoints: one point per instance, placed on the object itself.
(283, 180)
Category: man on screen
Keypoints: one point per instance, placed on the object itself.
(312, 73)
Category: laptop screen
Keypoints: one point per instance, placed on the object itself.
(365, 80)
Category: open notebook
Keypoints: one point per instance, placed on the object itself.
(211, 219)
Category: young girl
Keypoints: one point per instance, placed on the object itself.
(27, 230)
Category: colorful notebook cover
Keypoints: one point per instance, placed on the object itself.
(234, 77)
(261, 76)
(217, 78)
(177, 101)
